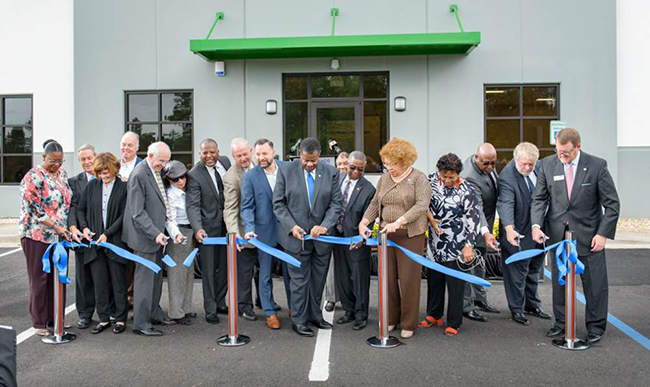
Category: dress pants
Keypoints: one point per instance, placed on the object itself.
(41, 285)
(8, 357)
(84, 287)
(520, 281)
(474, 293)
(404, 277)
(267, 263)
(307, 283)
(214, 277)
(436, 282)
(147, 290)
(331, 292)
(109, 276)
(180, 279)
(245, 265)
(596, 290)
(353, 279)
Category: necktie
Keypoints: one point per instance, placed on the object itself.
(217, 177)
(531, 187)
(569, 179)
(310, 186)
(161, 187)
(494, 184)
(346, 191)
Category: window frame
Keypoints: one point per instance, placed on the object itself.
(359, 99)
(3, 125)
(520, 116)
(160, 122)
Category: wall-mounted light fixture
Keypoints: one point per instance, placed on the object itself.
(271, 106)
(335, 64)
(400, 104)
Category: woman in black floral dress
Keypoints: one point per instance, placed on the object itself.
(454, 223)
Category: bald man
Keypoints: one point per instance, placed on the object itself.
(479, 171)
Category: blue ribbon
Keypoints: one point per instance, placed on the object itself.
(561, 257)
(274, 252)
(210, 241)
(190, 258)
(169, 261)
(347, 241)
(59, 259)
(128, 255)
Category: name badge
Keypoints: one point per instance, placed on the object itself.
(558, 178)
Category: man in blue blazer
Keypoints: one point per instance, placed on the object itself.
(520, 279)
(260, 222)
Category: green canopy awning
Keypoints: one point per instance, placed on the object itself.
(448, 43)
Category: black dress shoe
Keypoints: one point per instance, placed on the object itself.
(163, 322)
(476, 316)
(119, 328)
(346, 318)
(183, 321)
(538, 312)
(258, 304)
(359, 324)
(222, 310)
(112, 319)
(249, 315)
(84, 323)
(190, 315)
(148, 332)
(322, 324)
(555, 332)
(486, 307)
(302, 330)
(276, 307)
(99, 328)
(594, 337)
(520, 318)
(212, 318)
(329, 306)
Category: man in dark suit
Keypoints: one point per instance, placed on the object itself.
(572, 191)
(307, 199)
(84, 288)
(205, 203)
(260, 222)
(352, 263)
(479, 171)
(147, 211)
(516, 184)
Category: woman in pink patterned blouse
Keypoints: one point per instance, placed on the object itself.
(45, 202)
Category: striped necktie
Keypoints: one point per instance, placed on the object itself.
(161, 187)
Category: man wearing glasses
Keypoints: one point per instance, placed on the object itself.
(575, 192)
(479, 171)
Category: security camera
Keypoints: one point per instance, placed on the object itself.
(220, 69)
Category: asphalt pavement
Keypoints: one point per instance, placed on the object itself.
(497, 353)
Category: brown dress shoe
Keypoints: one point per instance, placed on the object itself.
(272, 322)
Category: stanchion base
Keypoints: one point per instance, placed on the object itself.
(53, 339)
(389, 342)
(236, 341)
(578, 345)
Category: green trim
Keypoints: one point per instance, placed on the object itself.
(219, 17)
(453, 8)
(451, 43)
(334, 13)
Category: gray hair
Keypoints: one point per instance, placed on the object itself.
(310, 146)
(357, 155)
(341, 155)
(527, 150)
(237, 142)
(86, 147)
(157, 147)
(132, 134)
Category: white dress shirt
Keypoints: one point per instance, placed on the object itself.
(176, 199)
(353, 183)
(574, 166)
(221, 169)
(214, 177)
(106, 195)
(272, 177)
(127, 168)
(313, 174)
(89, 177)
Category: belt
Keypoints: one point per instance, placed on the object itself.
(184, 226)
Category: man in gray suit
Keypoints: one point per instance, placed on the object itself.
(516, 184)
(205, 203)
(145, 216)
(571, 192)
(307, 199)
(479, 171)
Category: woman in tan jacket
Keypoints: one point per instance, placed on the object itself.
(401, 204)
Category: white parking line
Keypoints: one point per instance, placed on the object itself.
(10, 252)
(31, 331)
(320, 366)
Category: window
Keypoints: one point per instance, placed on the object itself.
(349, 108)
(162, 116)
(516, 113)
(17, 130)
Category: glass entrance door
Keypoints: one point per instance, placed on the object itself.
(337, 121)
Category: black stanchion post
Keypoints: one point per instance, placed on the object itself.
(383, 340)
(232, 339)
(59, 336)
(569, 341)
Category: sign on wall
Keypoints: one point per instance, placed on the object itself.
(556, 126)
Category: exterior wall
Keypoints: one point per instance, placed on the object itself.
(37, 53)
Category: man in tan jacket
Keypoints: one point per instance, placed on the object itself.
(246, 257)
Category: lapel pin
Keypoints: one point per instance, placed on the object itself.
(584, 169)
(358, 188)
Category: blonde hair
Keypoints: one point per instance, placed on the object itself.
(400, 151)
(106, 161)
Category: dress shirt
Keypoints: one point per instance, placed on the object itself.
(89, 177)
(353, 183)
(313, 175)
(127, 168)
(176, 197)
(106, 195)
(221, 169)
(533, 178)
(272, 177)
(211, 171)
(574, 165)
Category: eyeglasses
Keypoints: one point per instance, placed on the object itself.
(353, 168)
(565, 153)
(486, 163)
(389, 165)
(55, 162)
(176, 179)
